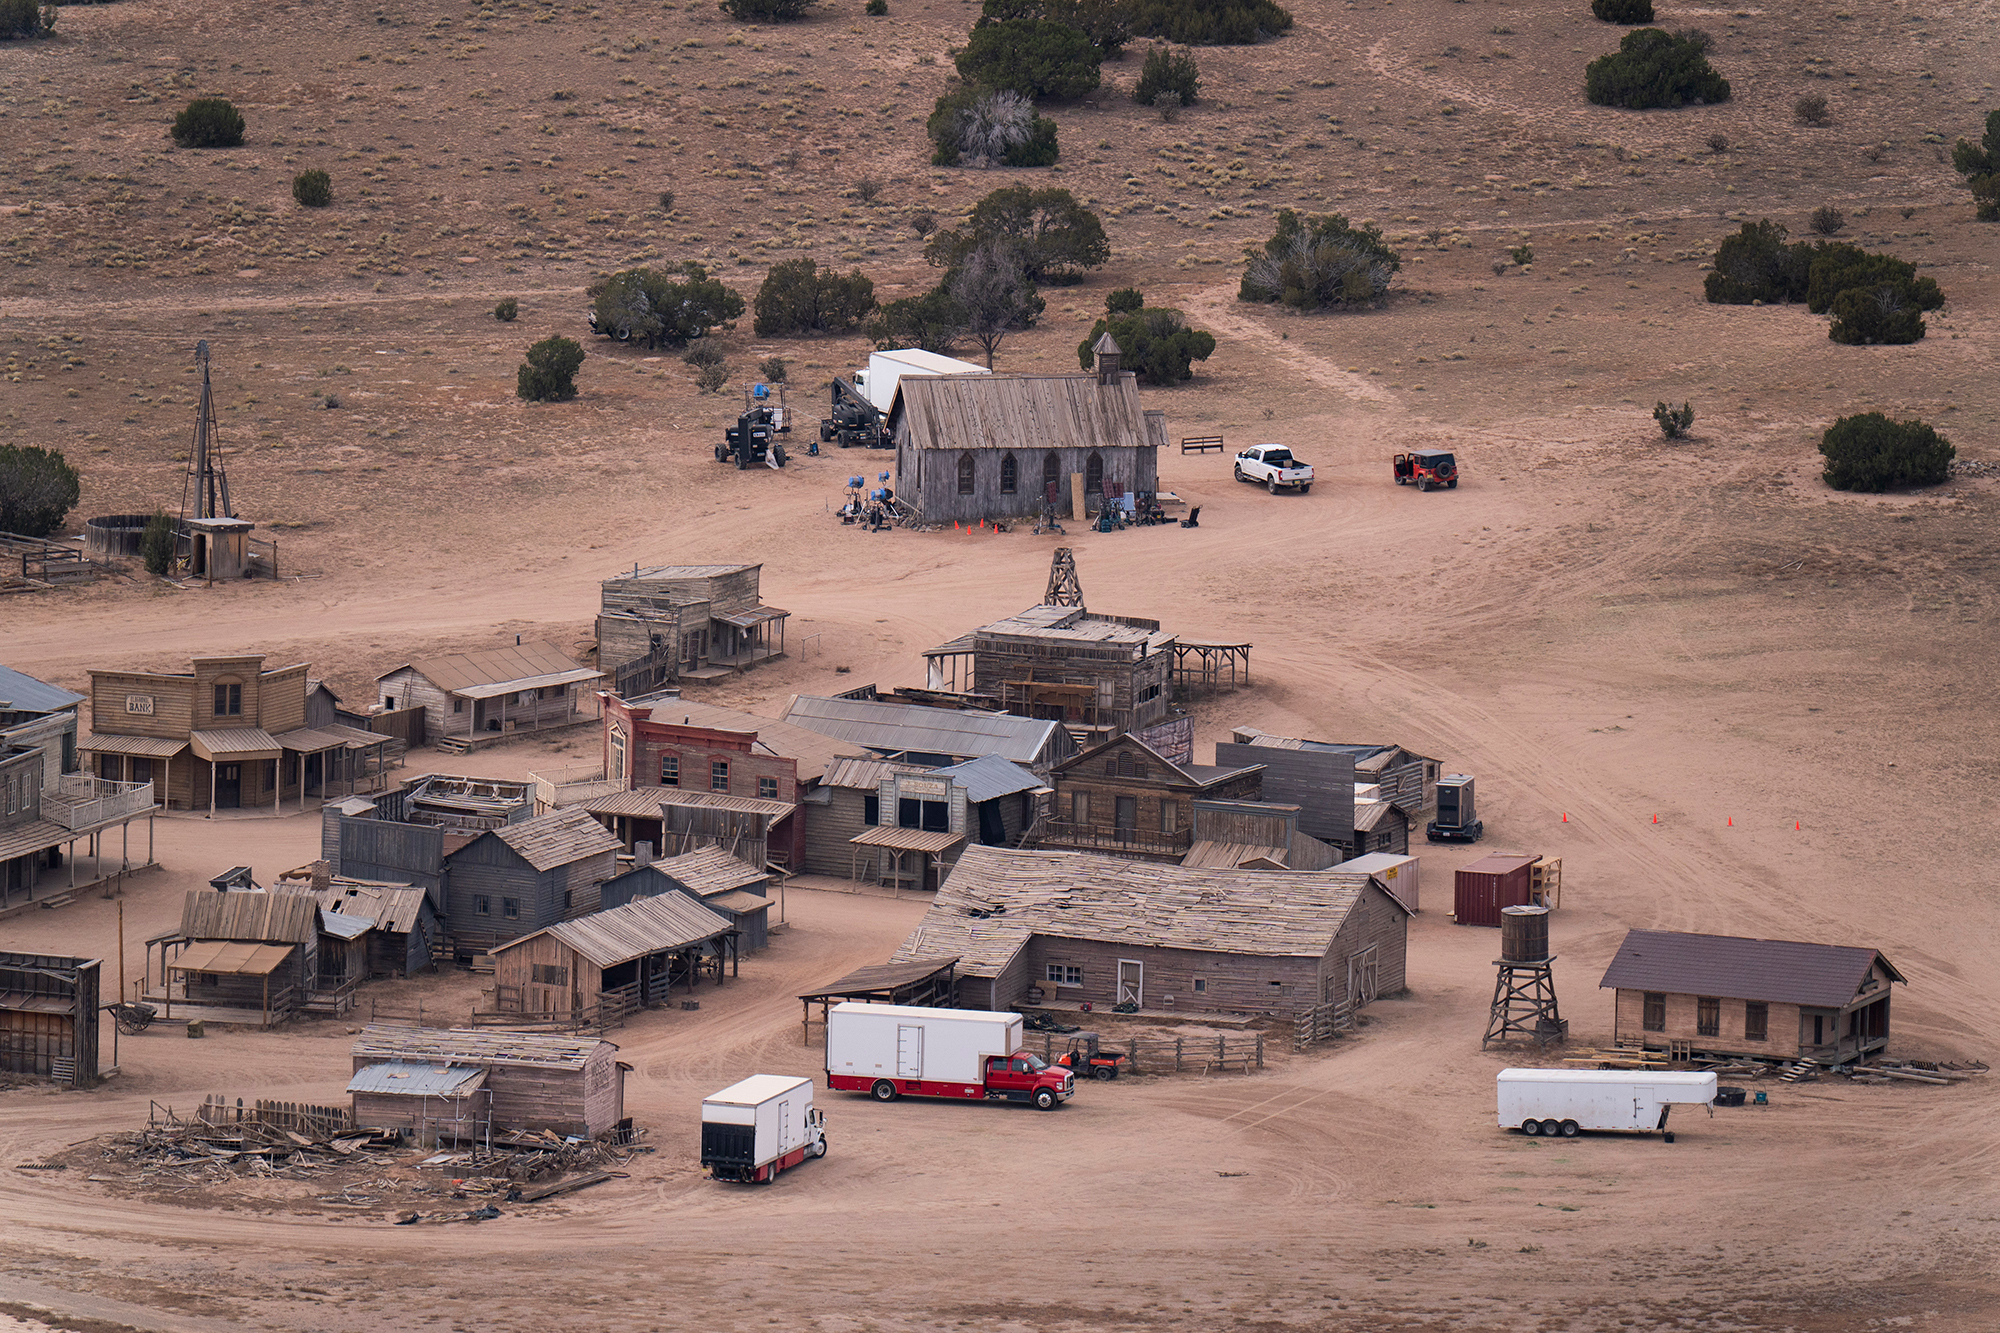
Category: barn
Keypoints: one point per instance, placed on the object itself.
(566, 1085)
(1110, 930)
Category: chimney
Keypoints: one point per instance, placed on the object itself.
(1109, 359)
(642, 855)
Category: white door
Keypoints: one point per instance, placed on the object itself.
(909, 1052)
(784, 1126)
(1131, 982)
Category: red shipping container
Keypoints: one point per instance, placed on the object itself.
(1492, 882)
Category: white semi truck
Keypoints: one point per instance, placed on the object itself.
(752, 1130)
(1567, 1101)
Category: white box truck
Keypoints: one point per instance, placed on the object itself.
(894, 1050)
(878, 382)
(750, 1131)
(1568, 1101)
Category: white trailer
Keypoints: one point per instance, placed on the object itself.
(892, 1050)
(1567, 1101)
(878, 382)
(750, 1131)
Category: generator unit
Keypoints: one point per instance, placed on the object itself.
(852, 420)
(753, 439)
(1457, 818)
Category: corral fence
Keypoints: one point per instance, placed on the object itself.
(1171, 1055)
(1321, 1022)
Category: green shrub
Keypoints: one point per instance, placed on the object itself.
(1674, 421)
(1522, 254)
(798, 298)
(934, 321)
(1036, 58)
(876, 8)
(978, 127)
(1319, 263)
(1123, 301)
(710, 376)
(1623, 11)
(1158, 345)
(1884, 314)
(549, 374)
(1652, 68)
(313, 188)
(38, 488)
(773, 370)
(1103, 21)
(672, 305)
(1979, 163)
(703, 353)
(1838, 267)
(1209, 22)
(666, 201)
(1757, 265)
(1811, 109)
(766, 11)
(1826, 220)
(507, 310)
(159, 543)
(1168, 71)
(1055, 237)
(208, 122)
(26, 18)
(1870, 452)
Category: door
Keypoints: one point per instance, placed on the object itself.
(909, 1052)
(1362, 985)
(1127, 817)
(785, 1125)
(1131, 982)
(228, 786)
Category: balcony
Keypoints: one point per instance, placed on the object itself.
(82, 802)
(572, 784)
(1062, 835)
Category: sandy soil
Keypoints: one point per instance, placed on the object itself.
(1711, 639)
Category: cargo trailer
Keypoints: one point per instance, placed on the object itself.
(894, 1050)
(886, 370)
(1566, 1102)
(752, 1130)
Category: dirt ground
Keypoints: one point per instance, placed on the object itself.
(1689, 688)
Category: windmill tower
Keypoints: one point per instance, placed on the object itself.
(1065, 589)
(1524, 987)
(205, 491)
(214, 542)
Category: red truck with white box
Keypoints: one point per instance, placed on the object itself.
(895, 1050)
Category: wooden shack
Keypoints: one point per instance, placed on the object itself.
(512, 881)
(566, 1085)
(846, 802)
(472, 698)
(931, 737)
(1729, 995)
(432, 1103)
(250, 953)
(1127, 798)
(1110, 930)
(1321, 777)
(734, 889)
(613, 962)
(49, 1007)
(973, 447)
(1093, 673)
(1002, 799)
(1380, 826)
(404, 928)
(1254, 835)
(697, 622)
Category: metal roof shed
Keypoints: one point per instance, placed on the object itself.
(534, 1081)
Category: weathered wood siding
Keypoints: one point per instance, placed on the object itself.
(1134, 689)
(1377, 921)
(829, 829)
(1788, 1029)
(136, 703)
(383, 850)
(587, 1101)
(514, 966)
(1319, 782)
(1232, 983)
(409, 688)
(1164, 815)
(489, 868)
(580, 883)
(452, 1117)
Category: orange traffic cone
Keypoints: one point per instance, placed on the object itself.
(1795, 826)
(1732, 821)
(1656, 819)
(1565, 816)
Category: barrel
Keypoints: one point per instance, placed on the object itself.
(1524, 934)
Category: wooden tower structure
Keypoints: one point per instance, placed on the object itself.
(205, 492)
(1524, 988)
(1065, 589)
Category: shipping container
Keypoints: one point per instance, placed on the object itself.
(1489, 884)
(752, 1130)
(1396, 873)
(1567, 1101)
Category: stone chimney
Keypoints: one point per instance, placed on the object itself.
(1110, 359)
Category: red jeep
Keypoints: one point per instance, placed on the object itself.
(1426, 469)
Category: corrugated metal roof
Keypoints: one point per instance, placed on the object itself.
(22, 693)
(648, 925)
(307, 740)
(1022, 412)
(1822, 976)
(865, 774)
(917, 729)
(812, 751)
(557, 838)
(454, 671)
(639, 802)
(1082, 895)
(989, 777)
(406, 1078)
(710, 870)
(144, 747)
(344, 927)
(231, 744)
(208, 915)
(481, 1046)
(575, 675)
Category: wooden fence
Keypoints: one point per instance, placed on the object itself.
(1321, 1022)
(646, 674)
(1201, 444)
(298, 1117)
(1171, 1055)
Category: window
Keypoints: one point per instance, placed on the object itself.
(1010, 475)
(1756, 1021)
(1149, 693)
(718, 775)
(549, 974)
(458, 705)
(510, 908)
(229, 701)
(270, 775)
(1079, 807)
(1018, 1067)
(1063, 974)
(617, 755)
(482, 905)
(1708, 1016)
(1656, 1012)
(767, 788)
(1167, 819)
(1093, 476)
(670, 770)
(1201, 985)
(965, 473)
(1051, 476)
(871, 809)
(389, 703)
(1111, 767)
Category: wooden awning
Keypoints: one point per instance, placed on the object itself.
(907, 839)
(225, 958)
(230, 745)
(139, 747)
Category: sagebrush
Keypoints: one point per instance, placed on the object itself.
(208, 122)
(1320, 264)
(1870, 452)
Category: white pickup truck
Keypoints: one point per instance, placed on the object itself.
(1274, 465)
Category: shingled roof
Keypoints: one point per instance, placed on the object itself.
(1820, 976)
(259, 917)
(557, 838)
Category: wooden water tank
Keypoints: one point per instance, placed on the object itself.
(1524, 934)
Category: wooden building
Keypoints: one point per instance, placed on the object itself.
(924, 819)
(472, 698)
(1002, 799)
(432, 1103)
(1380, 826)
(696, 622)
(566, 1085)
(612, 962)
(1728, 995)
(1320, 777)
(1253, 835)
(49, 1007)
(973, 447)
(404, 929)
(40, 717)
(512, 881)
(47, 806)
(1093, 673)
(246, 952)
(1127, 798)
(1112, 930)
(931, 737)
(846, 802)
(733, 889)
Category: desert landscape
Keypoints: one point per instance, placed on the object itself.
(1731, 699)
